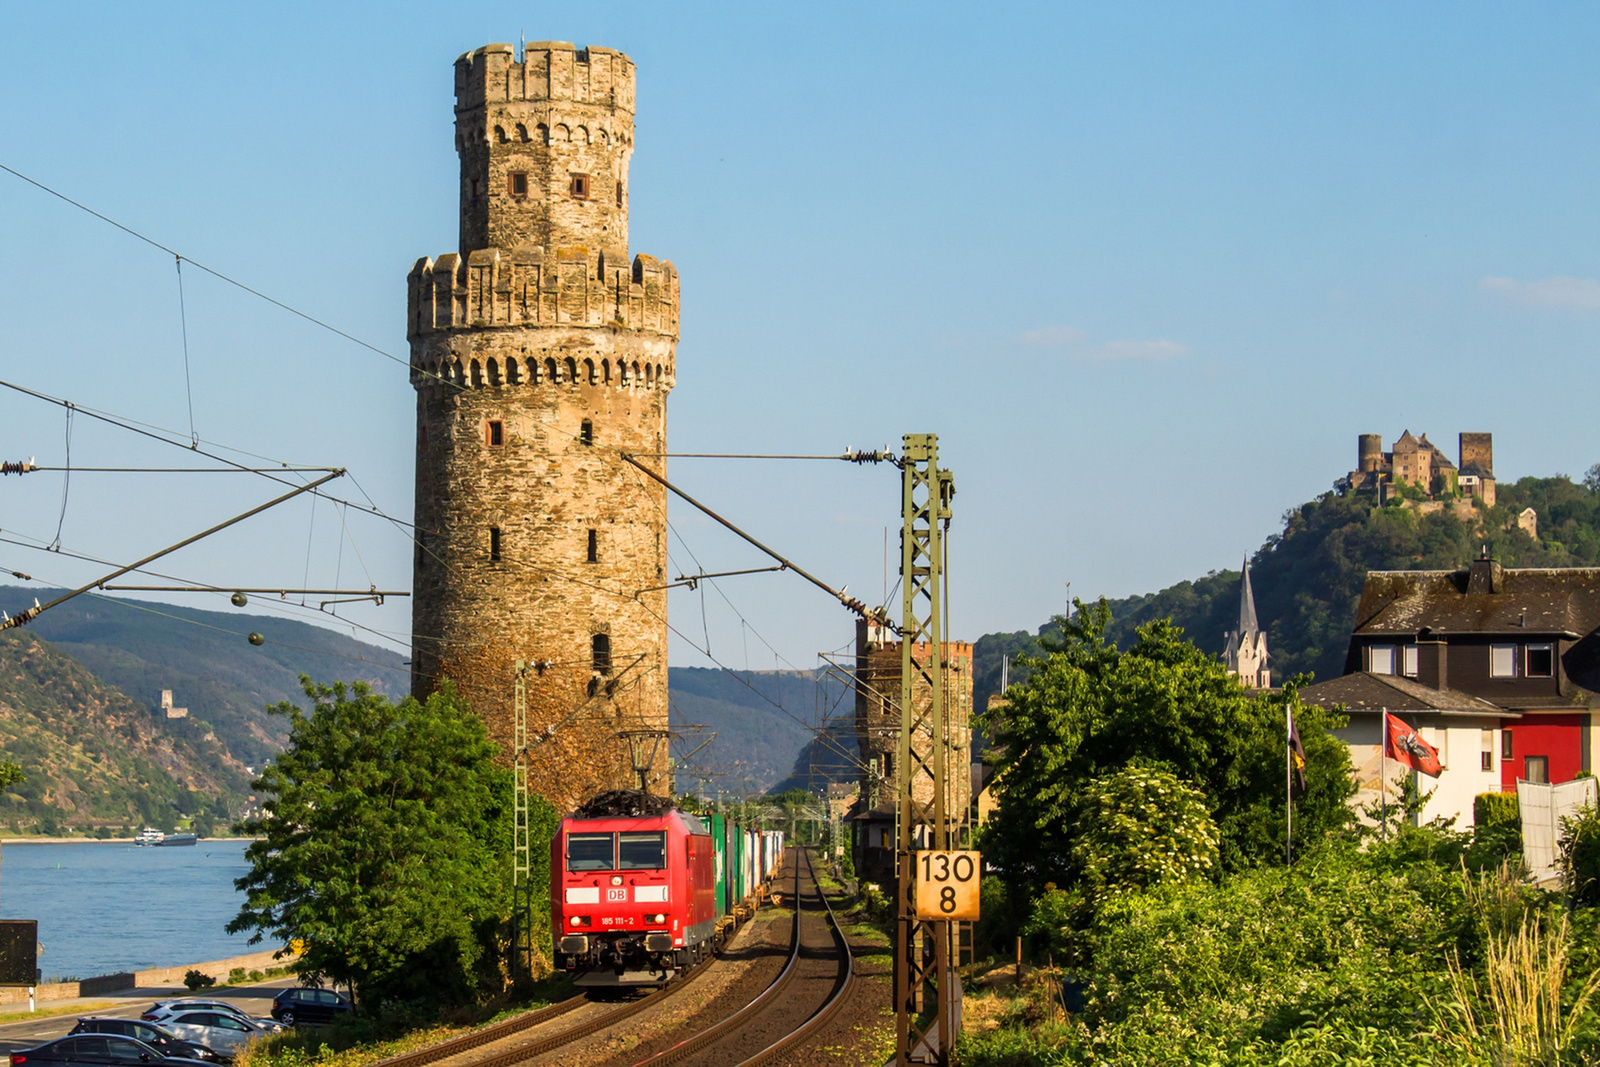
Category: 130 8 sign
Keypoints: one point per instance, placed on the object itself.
(947, 884)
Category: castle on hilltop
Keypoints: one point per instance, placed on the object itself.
(541, 351)
(1420, 464)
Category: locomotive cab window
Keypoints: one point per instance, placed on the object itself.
(590, 852)
(642, 851)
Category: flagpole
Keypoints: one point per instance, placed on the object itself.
(1383, 767)
(1288, 785)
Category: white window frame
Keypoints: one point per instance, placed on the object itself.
(1408, 661)
(1380, 654)
(1548, 647)
(1503, 656)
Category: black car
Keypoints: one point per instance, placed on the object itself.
(161, 1040)
(309, 1006)
(97, 1050)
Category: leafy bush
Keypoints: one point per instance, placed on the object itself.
(1142, 826)
(194, 979)
(237, 976)
(1580, 856)
(1495, 809)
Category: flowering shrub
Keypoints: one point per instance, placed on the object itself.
(1142, 826)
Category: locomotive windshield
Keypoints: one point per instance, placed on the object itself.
(590, 852)
(642, 851)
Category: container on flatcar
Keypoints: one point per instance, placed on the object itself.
(633, 899)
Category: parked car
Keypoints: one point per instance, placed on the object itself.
(168, 1007)
(163, 1011)
(295, 1006)
(220, 1030)
(96, 1049)
(168, 1044)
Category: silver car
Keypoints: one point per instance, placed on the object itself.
(223, 1031)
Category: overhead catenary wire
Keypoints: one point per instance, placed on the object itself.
(183, 321)
(225, 278)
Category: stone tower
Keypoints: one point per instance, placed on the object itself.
(540, 351)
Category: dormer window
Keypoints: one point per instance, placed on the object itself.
(1380, 659)
(1541, 661)
(517, 184)
(1408, 661)
(579, 187)
(1502, 661)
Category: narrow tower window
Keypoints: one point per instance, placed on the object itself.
(494, 544)
(594, 547)
(517, 183)
(580, 187)
(619, 194)
(497, 433)
(600, 644)
(586, 432)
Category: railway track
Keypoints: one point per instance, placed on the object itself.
(771, 1013)
(509, 1028)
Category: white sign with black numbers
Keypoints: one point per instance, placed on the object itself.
(947, 884)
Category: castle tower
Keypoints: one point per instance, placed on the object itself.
(1246, 649)
(540, 352)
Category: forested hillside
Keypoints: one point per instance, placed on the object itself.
(1308, 576)
(761, 719)
(204, 658)
(97, 761)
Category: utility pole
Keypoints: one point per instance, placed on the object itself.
(521, 887)
(923, 946)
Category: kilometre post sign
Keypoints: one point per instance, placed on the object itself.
(947, 884)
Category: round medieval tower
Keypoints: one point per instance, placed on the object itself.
(540, 353)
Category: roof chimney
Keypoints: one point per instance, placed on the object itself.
(1486, 575)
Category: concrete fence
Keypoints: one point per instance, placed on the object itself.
(155, 977)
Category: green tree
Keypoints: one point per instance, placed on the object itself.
(384, 847)
(1141, 826)
(1088, 709)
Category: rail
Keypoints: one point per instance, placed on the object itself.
(721, 1029)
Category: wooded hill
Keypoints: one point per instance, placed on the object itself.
(96, 760)
(1308, 577)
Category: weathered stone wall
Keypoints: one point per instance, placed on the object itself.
(878, 717)
(540, 355)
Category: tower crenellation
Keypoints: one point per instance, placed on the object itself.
(541, 351)
(544, 146)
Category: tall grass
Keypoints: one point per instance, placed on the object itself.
(1514, 1014)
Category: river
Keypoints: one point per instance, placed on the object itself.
(104, 908)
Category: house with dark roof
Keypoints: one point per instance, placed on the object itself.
(1497, 667)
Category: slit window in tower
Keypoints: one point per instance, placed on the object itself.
(497, 433)
(517, 184)
(600, 645)
(594, 546)
(494, 544)
(580, 187)
(586, 432)
(619, 194)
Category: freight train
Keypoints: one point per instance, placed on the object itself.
(640, 890)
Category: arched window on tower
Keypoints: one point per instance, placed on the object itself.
(600, 649)
(477, 375)
(550, 370)
(494, 371)
(588, 371)
(572, 371)
(513, 372)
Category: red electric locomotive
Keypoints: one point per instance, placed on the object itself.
(633, 891)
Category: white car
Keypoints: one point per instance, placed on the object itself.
(222, 1031)
(166, 1009)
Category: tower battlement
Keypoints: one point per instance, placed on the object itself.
(532, 287)
(550, 71)
(544, 146)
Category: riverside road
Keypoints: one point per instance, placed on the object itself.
(129, 1004)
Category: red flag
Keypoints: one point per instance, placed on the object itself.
(1406, 746)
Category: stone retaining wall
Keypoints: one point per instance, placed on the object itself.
(155, 977)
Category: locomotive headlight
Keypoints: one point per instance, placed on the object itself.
(576, 920)
(616, 879)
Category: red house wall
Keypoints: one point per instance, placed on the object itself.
(1557, 736)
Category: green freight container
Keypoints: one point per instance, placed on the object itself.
(719, 848)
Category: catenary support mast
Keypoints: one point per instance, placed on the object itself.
(927, 994)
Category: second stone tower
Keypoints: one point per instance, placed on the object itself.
(540, 352)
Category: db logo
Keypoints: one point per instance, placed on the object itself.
(617, 894)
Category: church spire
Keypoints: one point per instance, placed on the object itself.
(1247, 603)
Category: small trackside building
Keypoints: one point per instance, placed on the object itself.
(1497, 667)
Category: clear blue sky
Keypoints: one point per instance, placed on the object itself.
(1146, 268)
